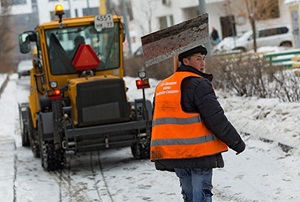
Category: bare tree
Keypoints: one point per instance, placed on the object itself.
(6, 38)
(260, 10)
(147, 10)
(117, 8)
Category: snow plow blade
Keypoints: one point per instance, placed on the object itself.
(166, 43)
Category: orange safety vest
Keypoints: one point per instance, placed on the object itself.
(175, 133)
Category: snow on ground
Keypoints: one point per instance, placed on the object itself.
(2, 78)
(262, 173)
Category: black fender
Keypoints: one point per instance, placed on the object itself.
(45, 103)
(46, 124)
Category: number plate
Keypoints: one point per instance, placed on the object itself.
(104, 21)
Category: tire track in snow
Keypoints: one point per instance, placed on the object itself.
(82, 179)
(99, 179)
(3, 85)
(69, 187)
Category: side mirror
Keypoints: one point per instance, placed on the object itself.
(24, 46)
(24, 41)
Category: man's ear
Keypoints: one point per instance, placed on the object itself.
(185, 61)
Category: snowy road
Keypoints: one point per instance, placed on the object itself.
(262, 173)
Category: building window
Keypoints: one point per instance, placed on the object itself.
(76, 12)
(166, 2)
(166, 21)
(18, 2)
(90, 11)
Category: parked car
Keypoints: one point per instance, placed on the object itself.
(270, 36)
(23, 68)
(225, 44)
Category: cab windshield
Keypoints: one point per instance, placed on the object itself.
(62, 44)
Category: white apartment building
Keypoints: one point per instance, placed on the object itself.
(27, 14)
(153, 15)
(45, 8)
(73, 8)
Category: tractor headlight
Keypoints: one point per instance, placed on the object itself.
(53, 84)
(142, 74)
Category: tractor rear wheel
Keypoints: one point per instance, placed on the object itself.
(33, 137)
(51, 159)
(23, 129)
(57, 123)
(141, 150)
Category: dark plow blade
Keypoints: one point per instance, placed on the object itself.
(166, 43)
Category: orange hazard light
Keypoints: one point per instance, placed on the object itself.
(85, 58)
(142, 83)
(59, 8)
(57, 92)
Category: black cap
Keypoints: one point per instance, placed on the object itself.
(199, 49)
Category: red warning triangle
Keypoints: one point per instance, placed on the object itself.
(85, 58)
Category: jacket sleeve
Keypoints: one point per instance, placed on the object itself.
(213, 115)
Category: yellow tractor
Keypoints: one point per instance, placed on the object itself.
(78, 100)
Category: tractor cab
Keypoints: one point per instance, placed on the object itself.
(63, 38)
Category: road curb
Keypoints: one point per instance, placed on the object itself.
(4, 84)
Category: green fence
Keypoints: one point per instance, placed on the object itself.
(287, 58)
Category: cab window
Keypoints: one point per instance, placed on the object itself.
(62, 45)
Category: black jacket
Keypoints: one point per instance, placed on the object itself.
(197, 95)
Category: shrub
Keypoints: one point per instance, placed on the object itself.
(251, 75)
(242, 74)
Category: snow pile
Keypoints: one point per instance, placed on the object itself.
(262, 173)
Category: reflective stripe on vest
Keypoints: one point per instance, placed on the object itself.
(171, 120)
(180, 141)
(175, 133)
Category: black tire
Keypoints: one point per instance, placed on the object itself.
(35, 148)
(141, 150)
(23, 129)
(57, 123)
(24, 136)
(242, 49)
(51, 159)
(286, 44)
(33, 137)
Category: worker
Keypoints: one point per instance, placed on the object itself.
(190, 129)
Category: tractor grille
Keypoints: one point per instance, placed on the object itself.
(102, 101)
